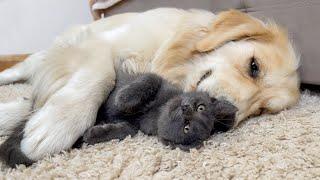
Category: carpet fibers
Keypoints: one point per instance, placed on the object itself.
(281, 146)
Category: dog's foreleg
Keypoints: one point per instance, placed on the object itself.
(23, 70)
(72, 109)
(66, 115)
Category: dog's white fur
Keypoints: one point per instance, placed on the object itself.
(12, 113)
(72, 78)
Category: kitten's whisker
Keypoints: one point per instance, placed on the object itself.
(225, 119)
(223, 122)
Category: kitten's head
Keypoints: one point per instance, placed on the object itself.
(187, 120)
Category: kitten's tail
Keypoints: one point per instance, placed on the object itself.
(13, 117)
(10, 151)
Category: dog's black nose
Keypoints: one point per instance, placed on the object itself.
(186, 109)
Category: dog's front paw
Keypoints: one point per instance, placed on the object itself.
(49, 131)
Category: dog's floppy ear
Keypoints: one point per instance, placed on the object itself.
(233, 25)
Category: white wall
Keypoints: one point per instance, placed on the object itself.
(27, 26)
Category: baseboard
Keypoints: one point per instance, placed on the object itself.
(7, 61)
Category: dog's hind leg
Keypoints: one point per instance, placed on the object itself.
(24, 70)
(12, 113)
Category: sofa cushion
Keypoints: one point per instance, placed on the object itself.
(301, 18)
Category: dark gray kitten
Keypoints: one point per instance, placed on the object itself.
(149, 103)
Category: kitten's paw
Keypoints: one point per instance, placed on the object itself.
(94, 134)
(127, 100)
(107, 132)
(133, 97)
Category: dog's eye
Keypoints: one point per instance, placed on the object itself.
(254, 68)
(201, 108)
(204, 76)
(186, 128)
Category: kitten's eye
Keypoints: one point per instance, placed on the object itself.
(186, 128)
(204, 76)
(254, 68)
(201, 108)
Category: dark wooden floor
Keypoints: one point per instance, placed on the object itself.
(7, 61)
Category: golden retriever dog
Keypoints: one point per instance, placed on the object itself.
(230, 55)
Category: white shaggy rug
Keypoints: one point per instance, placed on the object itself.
(285, 145)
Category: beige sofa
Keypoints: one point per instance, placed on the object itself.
(301, 17)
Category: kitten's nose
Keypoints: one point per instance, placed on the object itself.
(186, 109)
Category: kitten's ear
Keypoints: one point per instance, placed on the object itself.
(225, 114)
(213, 99)
(224, 109)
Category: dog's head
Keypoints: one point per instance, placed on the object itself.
(248, 62)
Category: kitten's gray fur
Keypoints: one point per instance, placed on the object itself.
(151, 104)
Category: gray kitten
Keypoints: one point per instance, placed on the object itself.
(151, 104)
